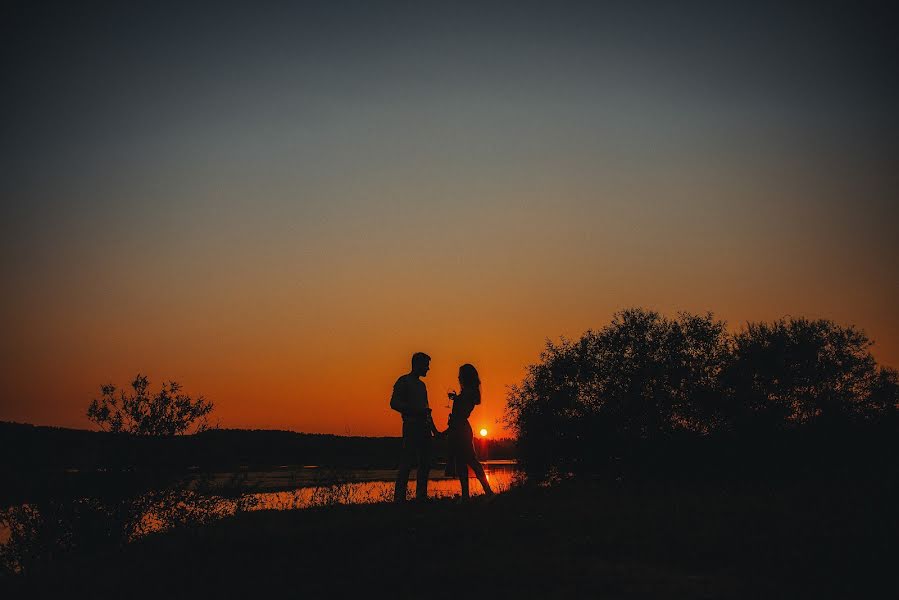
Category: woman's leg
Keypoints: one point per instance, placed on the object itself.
(462, 474)
(482, 477)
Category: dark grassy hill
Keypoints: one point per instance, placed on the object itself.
(28, 447)
(809, 539)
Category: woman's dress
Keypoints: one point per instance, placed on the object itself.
(460, 438)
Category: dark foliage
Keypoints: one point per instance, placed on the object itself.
(69, 493)
(122, 507)
(649, 391)
(169, 412)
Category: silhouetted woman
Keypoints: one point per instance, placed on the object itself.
(459, 435)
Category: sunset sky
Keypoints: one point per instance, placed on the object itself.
(276, 204)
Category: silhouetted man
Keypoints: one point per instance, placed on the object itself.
(410, 398)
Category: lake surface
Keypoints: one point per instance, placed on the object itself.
(366, 487)
(309, 486)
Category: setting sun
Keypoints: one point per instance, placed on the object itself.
(483, 433)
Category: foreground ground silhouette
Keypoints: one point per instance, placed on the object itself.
(577, 539)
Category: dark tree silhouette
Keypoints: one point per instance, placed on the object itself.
(641, 377)
(645, 379)
(169, 412)
(796, 371)
(125, 501)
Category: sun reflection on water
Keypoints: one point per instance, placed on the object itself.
(354, 487)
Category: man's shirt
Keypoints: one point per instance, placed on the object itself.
(410, 397)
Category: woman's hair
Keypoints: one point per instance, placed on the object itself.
(469, 380)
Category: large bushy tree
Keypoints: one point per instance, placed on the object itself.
(641, 377)
(796, 371)
(644, 378)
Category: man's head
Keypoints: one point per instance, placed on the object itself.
(421, 362)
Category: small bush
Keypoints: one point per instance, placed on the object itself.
(169, 412)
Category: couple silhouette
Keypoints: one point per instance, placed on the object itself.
(410, 399)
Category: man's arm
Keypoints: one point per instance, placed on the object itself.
(399, 400)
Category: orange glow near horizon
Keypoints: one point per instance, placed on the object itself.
(267, 374)
(483, 433)
(310, 333)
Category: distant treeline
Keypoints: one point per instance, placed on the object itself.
(33, 455)
(685, 397)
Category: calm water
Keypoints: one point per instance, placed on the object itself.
(310, 486)
(500, 474)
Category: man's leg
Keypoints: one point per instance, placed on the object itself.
(424, 466)
(402, 474)
(402, 482)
